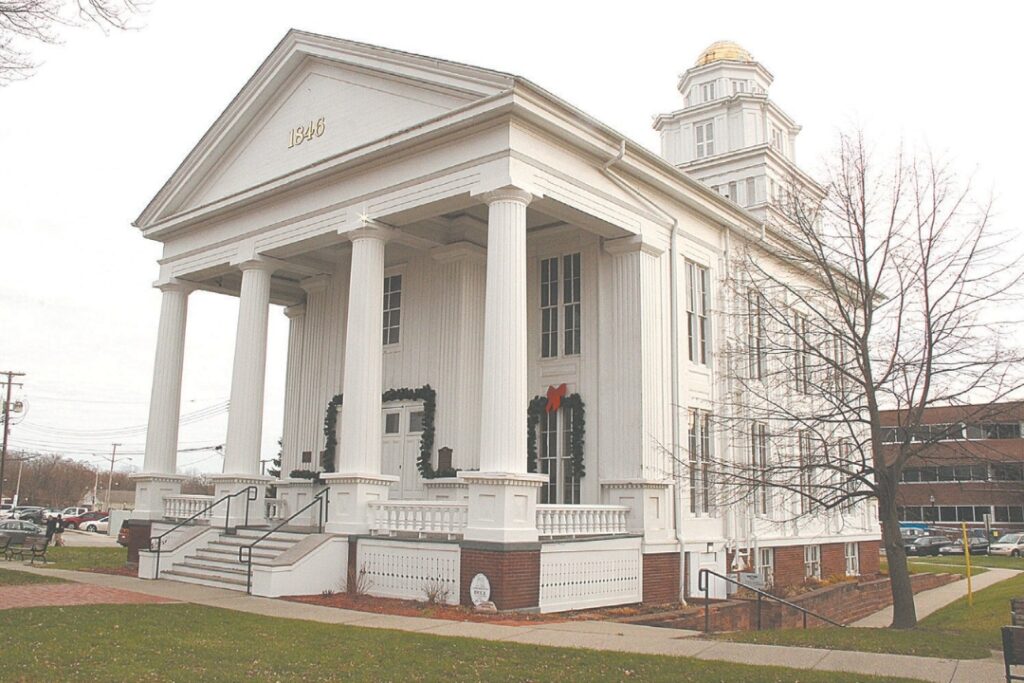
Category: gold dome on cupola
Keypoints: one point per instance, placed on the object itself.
(723, 50)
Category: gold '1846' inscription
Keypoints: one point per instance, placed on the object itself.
(300, 134)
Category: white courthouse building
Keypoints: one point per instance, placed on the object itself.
(505, 334)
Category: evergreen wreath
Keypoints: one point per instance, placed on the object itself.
(424, 463)
(572, 402)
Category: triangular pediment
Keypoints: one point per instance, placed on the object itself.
(313, 99)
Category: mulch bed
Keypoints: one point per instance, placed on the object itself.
(413, 608)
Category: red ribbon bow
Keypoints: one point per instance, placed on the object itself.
(555, 396)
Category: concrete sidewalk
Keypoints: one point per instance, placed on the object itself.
(594, 635)
(929, 601)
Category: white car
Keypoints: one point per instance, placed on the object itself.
(96, 525)
(1010, 544)
(67, 512)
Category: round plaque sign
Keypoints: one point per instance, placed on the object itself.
(480, 590)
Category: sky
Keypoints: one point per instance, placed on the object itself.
(90, 138)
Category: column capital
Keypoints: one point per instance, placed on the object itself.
(371, 230)
(174, 285)
(632, 244)
(507, 194)
(317, 283)
(295, 311)
(459, 251)
(258, 263)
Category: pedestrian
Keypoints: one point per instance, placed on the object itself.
(58, 532)
(51, 529)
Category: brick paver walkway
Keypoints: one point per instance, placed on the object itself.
(66, 594)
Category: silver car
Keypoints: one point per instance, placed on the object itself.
(19, 529)
(1010, 544)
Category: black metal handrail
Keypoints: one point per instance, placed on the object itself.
(319, 499)
(703, 585)
(252, 493)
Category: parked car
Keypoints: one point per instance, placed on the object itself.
(19, 529)
(78, 521)
(979, 546)
(97, 525)
(6, 510)
(927, 545)
(1010, 544)
(123, 534)
(29, 513)
(68, 512)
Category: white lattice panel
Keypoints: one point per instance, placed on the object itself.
(590, 574)
(409, 570)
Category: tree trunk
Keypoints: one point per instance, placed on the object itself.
(904, 612)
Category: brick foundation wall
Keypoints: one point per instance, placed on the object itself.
(870, 555)
(661, 578)
(789, 566)
(514, 576)
(833, 560)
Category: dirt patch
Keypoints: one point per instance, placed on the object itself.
(413, 608)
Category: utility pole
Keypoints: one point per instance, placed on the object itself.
(7, 424)
(110, 477)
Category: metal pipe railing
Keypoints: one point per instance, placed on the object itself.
(252, 493)
(319, 499)
(703, 585)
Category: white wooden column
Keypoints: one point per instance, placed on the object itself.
(310, 411)
(502, 495)
(357, 479)
(292, 389)
(634, 467)
(159, 469)
(165, 399)
(245, 415)
(504, 399)
(359, 442)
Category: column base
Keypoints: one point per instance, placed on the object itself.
(649, 510)
(502, 506)
(296, 493)
(150, 491)
(235, 513)
(348, 509)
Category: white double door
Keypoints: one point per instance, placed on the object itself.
(403, 428)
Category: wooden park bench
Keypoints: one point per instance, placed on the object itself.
(38, 548)
(1013, 651)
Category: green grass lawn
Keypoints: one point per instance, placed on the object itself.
(919, 567)
(994, 561)
(955, 631)
(85, 558)
(190, 642)
(11, 577)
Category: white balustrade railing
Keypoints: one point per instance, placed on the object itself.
(183, 507)
(581, 520)
(421, 517)
(275, 508)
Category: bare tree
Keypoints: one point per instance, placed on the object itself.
(890, 293)
(27, 22)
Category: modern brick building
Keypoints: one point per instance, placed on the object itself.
(972, 467)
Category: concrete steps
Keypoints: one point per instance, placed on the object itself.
(216, 564)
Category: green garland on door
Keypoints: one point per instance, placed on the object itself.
(424, 463)
(572, 402)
